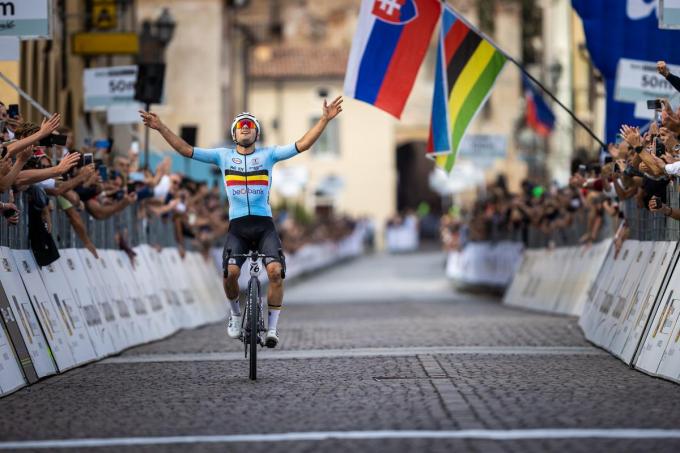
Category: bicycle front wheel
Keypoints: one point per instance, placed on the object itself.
(253, 323)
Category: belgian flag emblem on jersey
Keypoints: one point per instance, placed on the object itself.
(251, 178)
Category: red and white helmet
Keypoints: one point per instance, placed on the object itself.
(242, 116)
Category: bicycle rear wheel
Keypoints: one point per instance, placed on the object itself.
(253, 324)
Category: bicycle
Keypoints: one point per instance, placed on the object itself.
(252, 323)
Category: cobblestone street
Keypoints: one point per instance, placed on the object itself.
(381, 344)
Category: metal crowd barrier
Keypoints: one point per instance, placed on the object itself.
(136, 228)
(644, 225)
(648, 226)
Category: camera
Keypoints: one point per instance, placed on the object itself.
(654, 104)
(13, 110)
(632, 171)
(54, 139)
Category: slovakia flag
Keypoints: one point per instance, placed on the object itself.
(389, 46)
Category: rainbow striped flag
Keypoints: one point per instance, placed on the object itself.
(467, 68)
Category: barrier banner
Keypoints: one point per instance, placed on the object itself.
(117, 331)
(596, 293)
(634, 318)
(659, 343)
(11, 378)
(23, 329)
(185, 313)
(516, 295)
(177, 278)
(215, 289)
(485, 264)
(58, 289)
(641, 314)
(594, 260)
(610, 293)
(53, 320)
(197, 271)
(74, 272)
(146, 281)
(150, 330)
(109, 282)
(613, 319)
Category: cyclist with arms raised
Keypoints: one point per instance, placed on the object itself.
(247, 174)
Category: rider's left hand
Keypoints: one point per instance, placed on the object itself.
(332, 110)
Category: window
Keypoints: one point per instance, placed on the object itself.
(328, 145)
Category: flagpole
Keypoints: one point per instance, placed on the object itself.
(526, 73)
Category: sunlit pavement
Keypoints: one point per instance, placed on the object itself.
(373, 348)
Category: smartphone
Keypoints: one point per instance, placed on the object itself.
(7, 213)
(656, 202)
(659, 148)
(13, 110)
(54, 139)
(654, 104)
(103, 172)
(608, 160)
(88, 159)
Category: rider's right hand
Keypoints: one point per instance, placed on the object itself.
(151, 120)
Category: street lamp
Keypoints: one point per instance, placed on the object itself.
(153, 40)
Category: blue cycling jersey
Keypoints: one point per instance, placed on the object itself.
(247, 177)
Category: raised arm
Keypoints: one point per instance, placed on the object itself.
(329, 112)
(46, 128)
(151, 120)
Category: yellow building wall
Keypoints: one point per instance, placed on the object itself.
(193, 77)
(11, 70)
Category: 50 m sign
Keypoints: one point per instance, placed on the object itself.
(25, 18)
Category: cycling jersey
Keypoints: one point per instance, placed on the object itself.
(247, 177)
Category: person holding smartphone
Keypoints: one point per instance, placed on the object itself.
(657, 205)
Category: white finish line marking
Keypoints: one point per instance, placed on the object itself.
(360, 352)
(519, 434)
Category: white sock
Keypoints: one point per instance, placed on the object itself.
(273, 317)
(235, 307)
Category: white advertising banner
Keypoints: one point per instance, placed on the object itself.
(106, 87)
(638, 80)
(52, 318)
(26, 18)
(11, 377)
(111, 286)
(19, 313)
(75, 276)
(135, 294)
(669, 14)
(97, 293)
(78, 334)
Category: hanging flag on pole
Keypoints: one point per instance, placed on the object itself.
(467, 68)
(538, 114)
(389, 46)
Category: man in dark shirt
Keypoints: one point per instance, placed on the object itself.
(672, 78)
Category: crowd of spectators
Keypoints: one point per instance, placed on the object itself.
(41, 164)
(638, 168)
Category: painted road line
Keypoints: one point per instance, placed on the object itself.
(481, 434)
(359, 352)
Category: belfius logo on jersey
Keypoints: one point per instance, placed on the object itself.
(250, 178)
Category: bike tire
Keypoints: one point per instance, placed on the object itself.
(253, 322)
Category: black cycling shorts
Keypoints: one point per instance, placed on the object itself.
(250, 233)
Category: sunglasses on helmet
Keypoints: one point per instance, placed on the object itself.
(250, 124)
